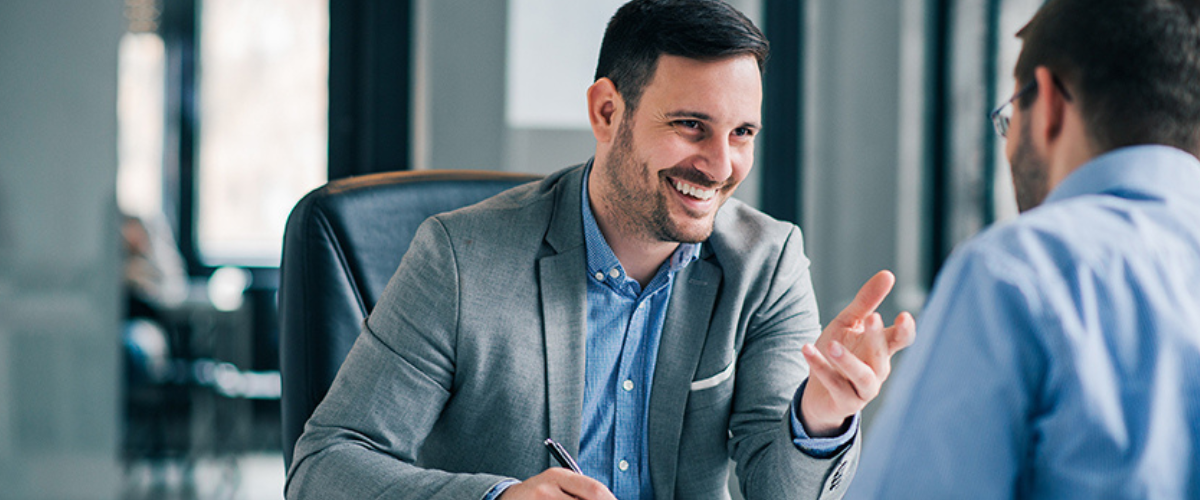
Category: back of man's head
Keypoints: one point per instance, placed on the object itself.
(1134, 65)
(643, 30)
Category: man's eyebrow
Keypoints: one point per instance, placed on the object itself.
(705, 117)
(689, 114)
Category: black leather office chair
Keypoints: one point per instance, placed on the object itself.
(342, 244)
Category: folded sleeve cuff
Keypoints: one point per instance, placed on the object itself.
(498, 489)
(818, 447)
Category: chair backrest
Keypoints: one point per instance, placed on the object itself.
(342, 244)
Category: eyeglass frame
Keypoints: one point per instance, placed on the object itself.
(1002, 116)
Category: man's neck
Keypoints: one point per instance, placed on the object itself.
(641, 259)
(639, 255)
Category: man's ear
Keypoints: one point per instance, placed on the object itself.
(1048, 110)
(605, 106)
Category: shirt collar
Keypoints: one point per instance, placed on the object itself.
(1152, 171)
(600, 257)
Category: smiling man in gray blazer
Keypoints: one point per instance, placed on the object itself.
(626, 308)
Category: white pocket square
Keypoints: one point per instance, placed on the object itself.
(712, 381)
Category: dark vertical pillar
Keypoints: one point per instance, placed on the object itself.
(783, 111)
(936, 117)
(370, 45)
(990, 74)
(178, 31)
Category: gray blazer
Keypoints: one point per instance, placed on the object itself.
(475, 354)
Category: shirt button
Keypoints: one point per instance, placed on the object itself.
(623, 465)
(628, 385)
(614, 272)
(599, 276)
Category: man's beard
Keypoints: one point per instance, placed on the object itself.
(1029, 172)
(646, 213)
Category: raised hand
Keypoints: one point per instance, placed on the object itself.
(852, 358)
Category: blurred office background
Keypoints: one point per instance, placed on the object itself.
(150, 151)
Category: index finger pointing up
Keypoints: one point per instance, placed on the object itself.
(868, 298)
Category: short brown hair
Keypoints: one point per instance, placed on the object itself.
(1133, 65)
(643, 30)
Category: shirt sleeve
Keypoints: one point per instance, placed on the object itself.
(499, 489)
(954, 422)
(819, 447)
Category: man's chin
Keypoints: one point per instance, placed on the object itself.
(1029, 185)
(697, 232)
(693, 239)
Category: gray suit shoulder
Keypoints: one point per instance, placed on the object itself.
(518, 216)
(740, 229)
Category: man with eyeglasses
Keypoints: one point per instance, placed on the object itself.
(1060, 352)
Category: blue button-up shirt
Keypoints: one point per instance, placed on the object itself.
(1059, 354)
(624, 328)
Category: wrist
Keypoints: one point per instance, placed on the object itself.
(817, 419)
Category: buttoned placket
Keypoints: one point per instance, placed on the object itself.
(630, 393)
(625, 337)
(629, 397)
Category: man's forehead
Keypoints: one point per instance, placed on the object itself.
(675, 64)
(705, 88)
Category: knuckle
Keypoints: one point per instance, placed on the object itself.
(872, 390)
(866, 381)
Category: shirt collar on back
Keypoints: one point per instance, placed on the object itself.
(1151, 171)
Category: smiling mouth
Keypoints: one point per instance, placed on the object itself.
(693, 191)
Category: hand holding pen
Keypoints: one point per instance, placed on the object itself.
(564, 482)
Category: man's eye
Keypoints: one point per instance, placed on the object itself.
(743, 132)
(692, 124)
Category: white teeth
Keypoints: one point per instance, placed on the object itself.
(693, 191)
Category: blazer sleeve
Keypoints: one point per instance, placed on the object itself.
(362, 440)
(770, 368)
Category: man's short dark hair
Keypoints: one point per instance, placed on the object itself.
(643, 30)
(1134, 66)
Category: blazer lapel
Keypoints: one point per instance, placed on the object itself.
(684, 332)
(564, 315)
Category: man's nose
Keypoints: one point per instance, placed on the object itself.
(718, 159)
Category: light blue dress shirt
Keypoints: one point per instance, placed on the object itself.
(1059, 354)
(624, 328)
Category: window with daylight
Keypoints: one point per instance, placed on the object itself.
(263, 114)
